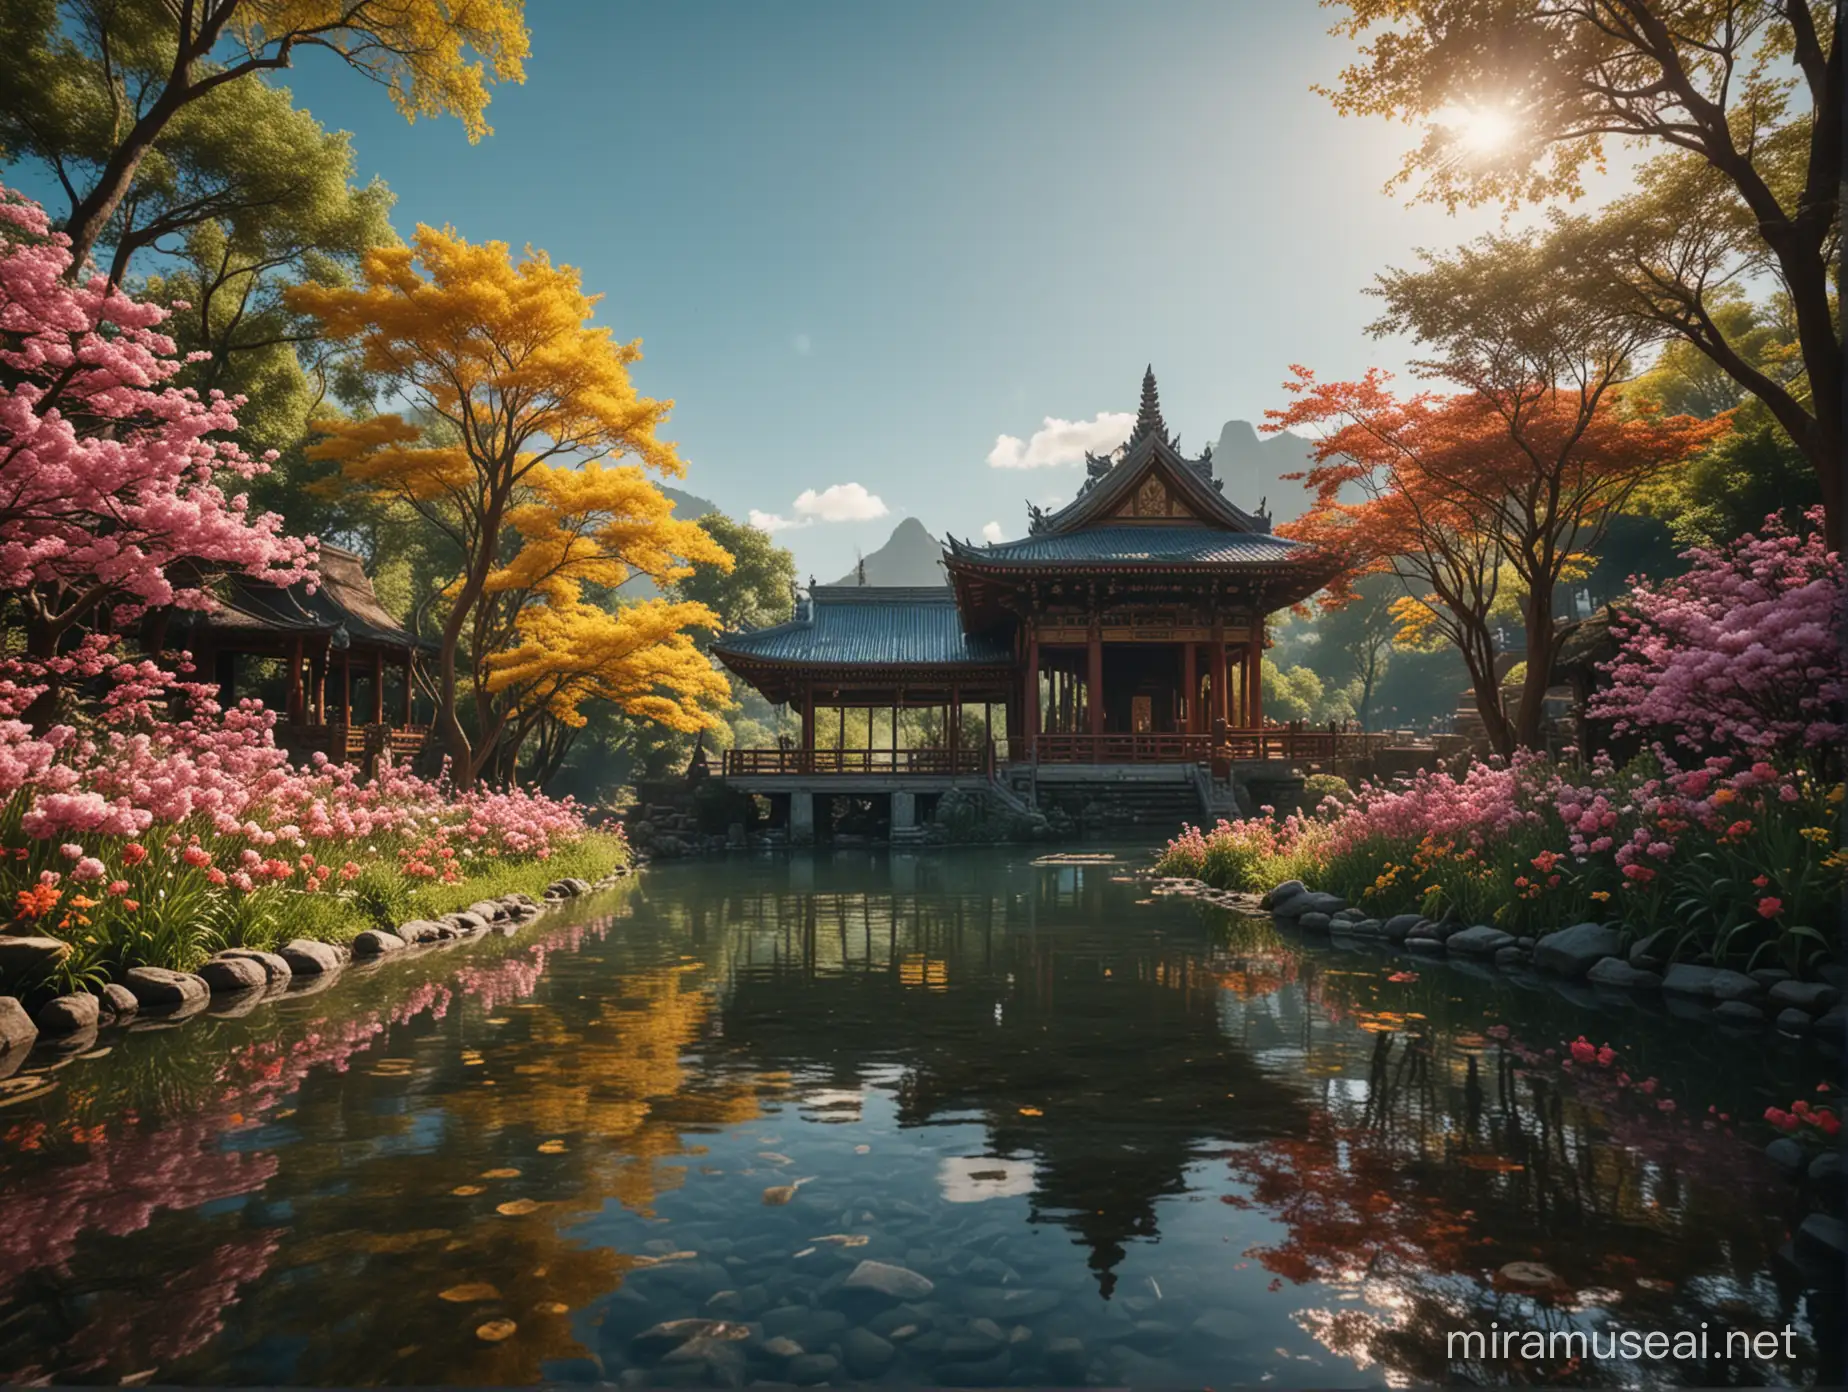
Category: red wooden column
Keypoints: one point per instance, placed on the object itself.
(1031, 711)
(1222, 709)
(808, 718)
(1254, 676)
(1190, 689)
(1094, 680)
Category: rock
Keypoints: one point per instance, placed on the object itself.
(1687, 979)
(1350, 916)
(658, 1340)
(1571, 952)
(1732, 985)
(1770, 976)
(811, 1368)
(16, 1028)
(1614, 971)
(375, 942)
(1314, 922)
(226, 974)
(1825, 1172)
(1787, 1155)
(1509, 957)
(156, 988)
(1790, 1020)
(1527, 944)
(26, 959)
(420, 930)
(274, 967)
(1652, 952)
(119, 1002)
(865, 1354)
(896, 1282)
(1824, 1237)
(1399, 926)
(1289, 889)
(309, 958)
(783, 1347)
(1428, 946)
(568, 888)
(69, 1014)
(489, 910)
(1225, 1326)
(1835, 974)
(1738, 1012)
(1366, 928)
(466, 922)
(1317, 902)
(1832, 1024)
(1811, 997)
(1066, 1357)
(1529, 1275)
(1480, 941)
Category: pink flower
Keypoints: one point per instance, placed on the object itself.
(1770, 906)
(89, 868)
(70, 850)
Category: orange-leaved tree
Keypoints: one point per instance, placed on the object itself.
(525, 407)
(1464, 494)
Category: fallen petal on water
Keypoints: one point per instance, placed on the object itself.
(515, 1208)
(496, 1330)
(465, 1191)
(473, 1290)
(500, 1174)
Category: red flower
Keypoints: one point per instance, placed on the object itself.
(1770, 906)
(134, 853)
(1583, 1050)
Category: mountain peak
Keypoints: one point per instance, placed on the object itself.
(910, 556)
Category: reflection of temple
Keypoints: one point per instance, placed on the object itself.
(1094, 1050)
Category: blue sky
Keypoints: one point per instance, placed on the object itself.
(860, 242)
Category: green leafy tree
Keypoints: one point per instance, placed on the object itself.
(760, 587)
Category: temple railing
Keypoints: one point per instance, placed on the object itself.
(744, 763)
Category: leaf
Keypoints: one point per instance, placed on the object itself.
(471, 1291)
(517, 1208)
(496, 1330)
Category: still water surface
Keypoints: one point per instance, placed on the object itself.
(1127, 1140)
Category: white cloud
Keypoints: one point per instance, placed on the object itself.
(1062, 442)
(803, 344)
(840, 502)
(992, 533)
(772, 522)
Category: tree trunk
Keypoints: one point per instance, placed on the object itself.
(1531, 716)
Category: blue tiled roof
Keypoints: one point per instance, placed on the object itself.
(1139, 545)
(872, 625)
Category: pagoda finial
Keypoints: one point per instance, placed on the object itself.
(1148, 414)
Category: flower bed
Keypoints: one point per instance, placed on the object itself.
(144, 840)
(1736, 858)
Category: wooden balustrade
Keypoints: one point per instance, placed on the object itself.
(938, 762)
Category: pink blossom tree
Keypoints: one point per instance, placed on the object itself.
(112, 483)
(1741, 653)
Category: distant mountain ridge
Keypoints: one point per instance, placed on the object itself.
(1252, 467)
(911, 556)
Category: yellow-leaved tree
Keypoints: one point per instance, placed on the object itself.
(531, 406)
(434, 57)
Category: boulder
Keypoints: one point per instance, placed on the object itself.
(1688, 979)
(1066, 1357)
(1614, 971)
(1399, 926)
(420, 930)
(69, 1014)
(1824, 1237)
(1732, 985)
(1480, 941)
(1289, 889)
(16, 1028)
(309, 958)
(865, 1354)
(895, 1282)
(1314, 922)
(26, 959)
(375, 942)
(1811, 997)
(278, 971)
(119, 1003)
(1571, 952)
(1770, 976)
(156, 988)
(1317, 902)
(1652, 952)
(465, 922)
(225, 974)
(809, 1369)
(1428, 946)
(1832, 1024)
(1790, 1020)
(568, 888)
(1787, 1155)
(489, 910)
(1738, 1012)
(1510, 957)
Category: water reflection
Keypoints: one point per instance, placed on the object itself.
(1128, 1142)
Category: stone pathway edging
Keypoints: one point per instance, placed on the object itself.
(1581, 953)
(248, 977)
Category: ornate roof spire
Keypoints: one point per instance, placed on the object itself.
(1148, 414)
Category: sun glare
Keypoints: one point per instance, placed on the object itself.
(1481, 129)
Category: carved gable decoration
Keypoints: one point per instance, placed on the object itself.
(1154, 498)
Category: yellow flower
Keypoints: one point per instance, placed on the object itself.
(1600, 895)
(1724, 796)
(1835, 793)
(1822, 836)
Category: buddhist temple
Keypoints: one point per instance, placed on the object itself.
(1124, 631)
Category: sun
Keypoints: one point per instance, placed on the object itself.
(1483, 130)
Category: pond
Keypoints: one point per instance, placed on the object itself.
(1084, 1136)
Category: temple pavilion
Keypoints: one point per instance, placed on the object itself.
(1125, 628)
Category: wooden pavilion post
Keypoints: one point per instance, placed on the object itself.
(297, 695)
(1190, 689)
(346, 687)
(410, 692)
(378, 686)
(1030, 712)
(808, 717)
(1254, 676)
(1094, 679)
(1221, 693)
(955, 724)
